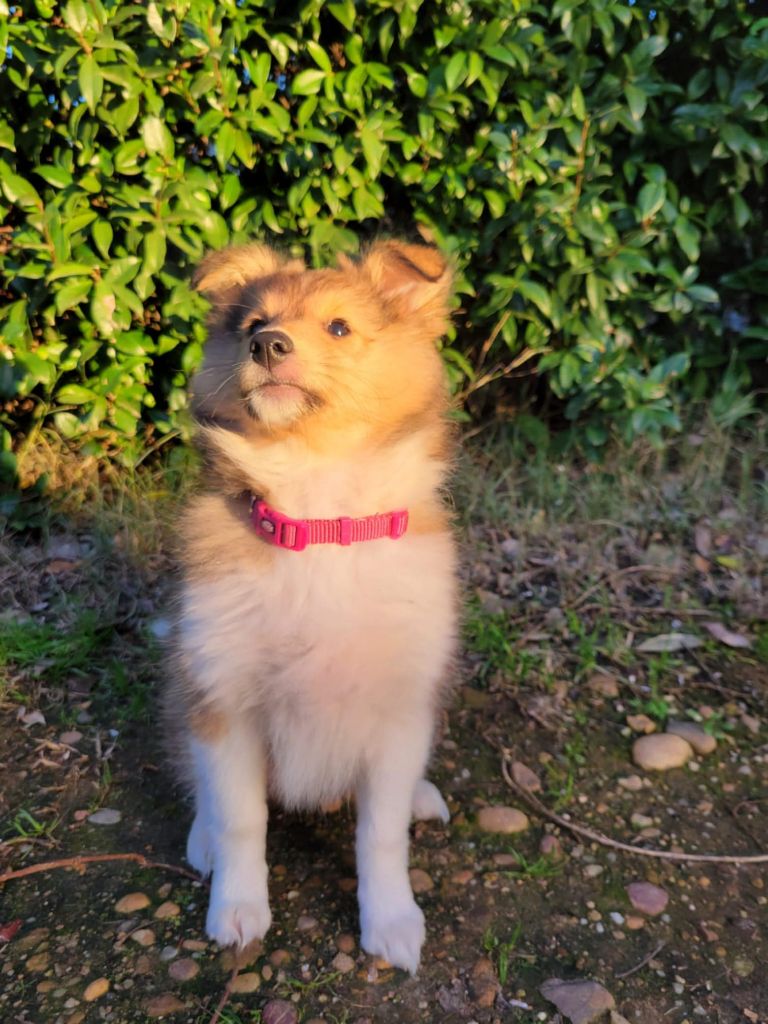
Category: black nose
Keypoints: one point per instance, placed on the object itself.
(270, 347)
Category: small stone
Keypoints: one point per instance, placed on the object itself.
(648, 898)
(525, 777)
(580, 1001)
(634, 923)
(306, 923)
(420, 880)
(196, 945)
(661, 751)
(701, 741)
(751, 723)
(105, 816)
(38, 962)
(345, 943)
(235, 957)
(96, 989)
(632, 783)
(641, 821)
(278, 1011)
(160, 1006)
(641, 723)
(505, 860)
(462, 877)
(143, 965)
(550, 846)
(279, 957)
(144, 936)
(484, 984)
(132, 902)
(168, 953)
(593, 870)
(603, 684)
(184, 970)
(743, 966)
(248, 982)
(343, 963)
(70, 738)
(166, 910)
(504, 820)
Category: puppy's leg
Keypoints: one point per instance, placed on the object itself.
(391, 923)
(428, 803)
(230, 829)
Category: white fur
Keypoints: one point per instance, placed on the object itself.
(326, 665)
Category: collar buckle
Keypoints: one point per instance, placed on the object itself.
(277, 529)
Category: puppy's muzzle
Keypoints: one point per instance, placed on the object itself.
(268, 348)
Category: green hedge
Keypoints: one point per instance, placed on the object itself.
(596, 167)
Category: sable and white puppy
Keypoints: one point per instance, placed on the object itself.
(318, 609)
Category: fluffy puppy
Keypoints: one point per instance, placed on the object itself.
(310, 658)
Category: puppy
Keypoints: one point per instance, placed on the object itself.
(318, 608)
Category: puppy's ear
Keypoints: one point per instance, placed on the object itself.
(411, 278)
(237, 265)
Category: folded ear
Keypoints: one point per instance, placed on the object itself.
(411, 278)
(237, 265)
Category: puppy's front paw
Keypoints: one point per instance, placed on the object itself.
(428, 803)
(396, 934)
(199, 851)
(233, 923)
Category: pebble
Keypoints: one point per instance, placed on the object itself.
(195, 945)
(580, 1001)
(131, 902)
(634, 923)
(38, 962)
(505, 860)
(640, 820)
(701, 741)
(343, 963)
(105, 816)
(593, 870)
(144, 936)
(278, 1011)
(166, 910)
(159, 1006)
(648, 898)
(505, 820)
(484, 984)
(70, 738)
(525, 777)
(641, 723)
(248, 982)
(96, 989)
(550, 846)
(603, 684)
(420, 880)
(632, 783)
(345, 943)
(306, 923)
(661, 751)
(168, 953)
(462, 877)
(184, 970)
(743, 966)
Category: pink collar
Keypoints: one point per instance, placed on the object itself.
(294, 534)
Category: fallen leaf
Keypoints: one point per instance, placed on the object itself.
(727, 636)
(669, 642)
(7, 931)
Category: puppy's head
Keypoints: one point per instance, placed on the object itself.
(291, 348)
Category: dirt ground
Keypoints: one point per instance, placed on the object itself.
(551, 673)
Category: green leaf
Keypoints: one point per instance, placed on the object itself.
(577, 103)
(455, 71)
(75, 394)
(651, 199)
(102, 236)
(156, 137)
(637, 101)
(57, 176)
(308, 82)
(536, 294)
(91, 81)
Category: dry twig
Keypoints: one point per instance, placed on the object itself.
(224, 995)
(646, 960)
(80, 862)
(615, 844)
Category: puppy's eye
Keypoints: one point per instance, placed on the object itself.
(256, 324)
(338, 328)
